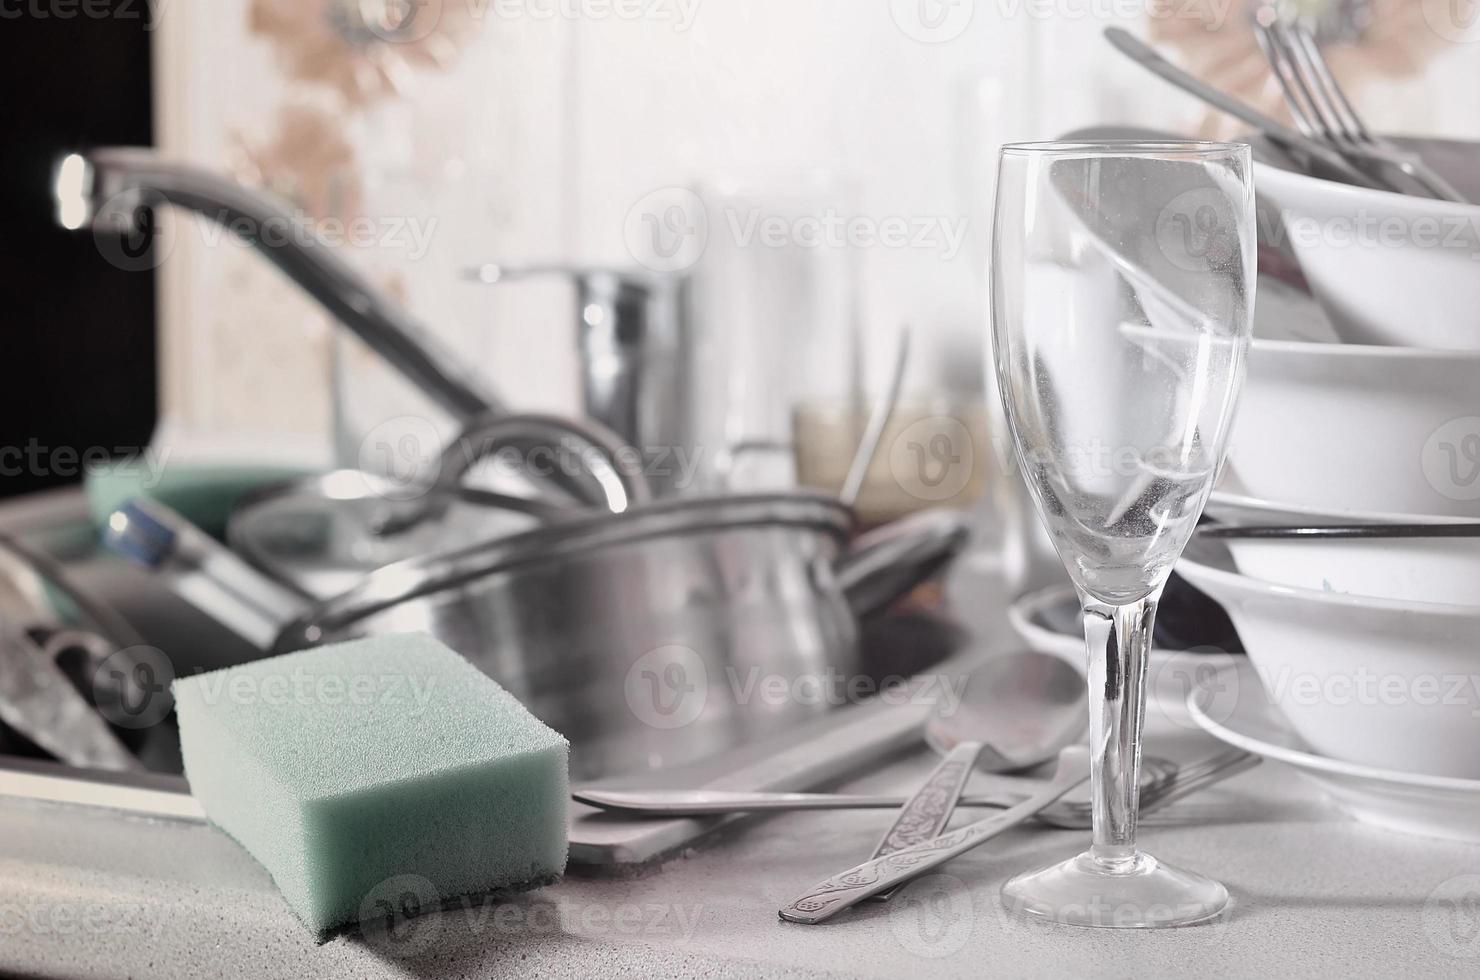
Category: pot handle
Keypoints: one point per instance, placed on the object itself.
(602, 480)
(887, 562)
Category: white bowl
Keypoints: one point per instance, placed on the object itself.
(1445, 570)
(1388, 268)
(1344, 427)
(1380, 682)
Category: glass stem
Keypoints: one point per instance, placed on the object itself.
(1119, 641)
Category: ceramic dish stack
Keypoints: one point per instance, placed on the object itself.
(1364, 653)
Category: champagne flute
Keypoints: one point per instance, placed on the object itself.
(1122, 297)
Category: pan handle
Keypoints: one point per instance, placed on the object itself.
(887, 562)
(603, 478)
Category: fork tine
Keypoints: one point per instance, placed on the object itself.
(1301, 79)
(1215, 763)
(1338, 117)
(1308, 53)
(1294, 101)
(1075, 814)
(1348, 124)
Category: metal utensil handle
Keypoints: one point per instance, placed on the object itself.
(888, 562)
(1146, 56)
(1155, 794)
(878, 421)
(926, 813)
(200, 570)
(832, 895)
(1284, 532)
(699, 803)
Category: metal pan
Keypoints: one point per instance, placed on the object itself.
(664, 634)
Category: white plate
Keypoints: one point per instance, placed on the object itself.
(1231, 707)
(1048, 621)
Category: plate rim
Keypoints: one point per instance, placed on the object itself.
(1309, 760)
(1021, 610)
(1247, 501)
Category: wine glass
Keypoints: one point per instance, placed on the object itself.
(1122, 297)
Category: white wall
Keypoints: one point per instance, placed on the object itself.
(549, 129)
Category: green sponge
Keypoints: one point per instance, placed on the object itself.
(342, 767)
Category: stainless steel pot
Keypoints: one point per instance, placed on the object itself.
(660, 635)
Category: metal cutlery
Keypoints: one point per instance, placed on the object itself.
(1167, 783)
(1465, 530)
(1288, 139)
(878, 421)
(1323, 112)
(842, 891)
(38, 700)
(886, 873)
(1023, 707)
(926, 814)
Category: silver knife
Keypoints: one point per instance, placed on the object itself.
(842, 891)
(926, 813)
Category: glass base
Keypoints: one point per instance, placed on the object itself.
(1143, 894)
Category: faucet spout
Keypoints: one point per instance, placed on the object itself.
(104, 187)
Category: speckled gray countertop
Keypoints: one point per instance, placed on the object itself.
(92, 893)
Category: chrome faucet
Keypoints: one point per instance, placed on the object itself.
(107, 187)
(635, 355)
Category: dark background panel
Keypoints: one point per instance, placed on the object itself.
(79, 335)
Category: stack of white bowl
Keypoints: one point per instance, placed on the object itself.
(1368, 648)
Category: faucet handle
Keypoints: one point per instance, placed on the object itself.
(493, 273)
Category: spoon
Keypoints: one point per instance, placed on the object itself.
(1023, 708)
(1162, 783)
(1020, 709)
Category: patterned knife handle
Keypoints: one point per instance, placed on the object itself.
(926, 814)
(831, 896)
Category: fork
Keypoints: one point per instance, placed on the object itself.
(1172, 783)
(1322, 111)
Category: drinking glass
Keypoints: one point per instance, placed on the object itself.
(1122, 297)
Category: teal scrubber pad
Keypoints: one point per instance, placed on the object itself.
(341, 767)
